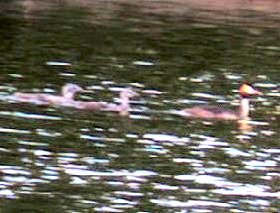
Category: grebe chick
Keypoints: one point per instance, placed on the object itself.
(124, 106)
(215, 112)
(67, 94)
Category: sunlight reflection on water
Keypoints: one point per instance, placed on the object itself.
(189, 203)
(153, 158)
(29, 115)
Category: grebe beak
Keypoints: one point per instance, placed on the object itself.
(259, 92)
(81, 89)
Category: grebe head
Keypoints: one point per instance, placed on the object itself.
(247, 90)
(69, 90)
(128, 93)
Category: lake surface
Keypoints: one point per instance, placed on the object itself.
(176, 55)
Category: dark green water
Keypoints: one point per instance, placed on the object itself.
(59, 159)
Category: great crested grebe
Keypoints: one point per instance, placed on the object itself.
(67, 94)
(215, 112)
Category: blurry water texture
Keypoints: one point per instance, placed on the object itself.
(176, 54)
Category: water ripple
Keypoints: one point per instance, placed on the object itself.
(82, 171)
(18, 131)
(30, 115)
(247, 190)
(260, 165)
(189, 203)
(207, 179)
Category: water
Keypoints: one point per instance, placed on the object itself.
(59, 159)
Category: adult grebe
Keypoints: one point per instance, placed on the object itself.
(67, 94)
(215, 112)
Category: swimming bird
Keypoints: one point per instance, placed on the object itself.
(216, 112)
(67, 94)
(123, 107)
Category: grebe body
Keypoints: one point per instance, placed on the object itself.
(89, 105)
(216, 112)
(210, 112)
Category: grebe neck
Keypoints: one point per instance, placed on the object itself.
(68, 95)
(244, 108)
(124, 105)
(69, 90)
